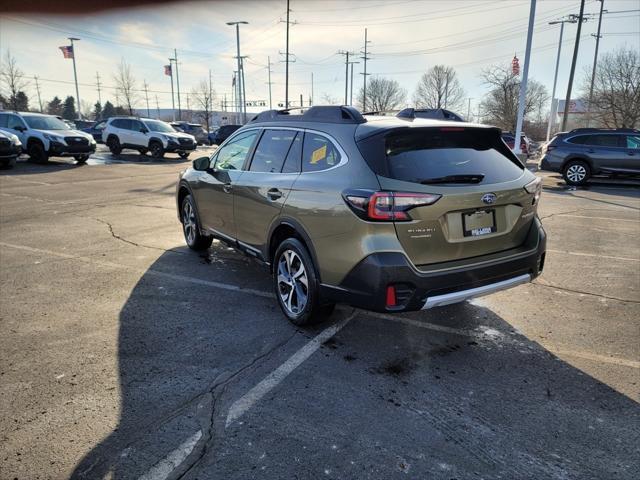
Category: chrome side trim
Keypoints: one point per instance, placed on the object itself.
(456, 297)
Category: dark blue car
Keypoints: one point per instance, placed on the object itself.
(96, 130)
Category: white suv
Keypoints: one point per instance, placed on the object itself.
(43, 136)
(146, 135)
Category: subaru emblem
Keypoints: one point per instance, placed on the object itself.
(489, 198)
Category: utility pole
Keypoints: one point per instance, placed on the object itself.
(286, 60)
(75, 73)
(146, 96)
(210, 106)
(312, 99)
(157, 107)
(234, 96)
(364, 84)
(351, 87)
(173, 101)
(301, 101)
(239, 99)
(35, 77)
(175, 57)
(346, 75)
(98, 85)
(595, 62)
(573, 68)
(244, 92)
(469, 110)
(554, 103)
(269, 81)
(525, 76)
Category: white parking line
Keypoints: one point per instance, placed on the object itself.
(271, 381)
(583, 254)
(164, 468)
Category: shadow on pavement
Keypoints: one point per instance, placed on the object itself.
(392, 396)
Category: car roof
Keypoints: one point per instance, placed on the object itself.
(35, 114)
(375, 124)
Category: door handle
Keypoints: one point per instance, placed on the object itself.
(274, 194)
(630, 153)
(227, 187)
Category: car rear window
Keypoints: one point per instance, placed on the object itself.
(418, 155)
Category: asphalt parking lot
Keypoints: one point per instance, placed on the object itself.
(125, 355)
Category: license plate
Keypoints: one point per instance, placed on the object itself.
(478, 223)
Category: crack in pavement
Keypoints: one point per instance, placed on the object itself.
(580, 292)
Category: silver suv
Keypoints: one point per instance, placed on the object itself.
(584, 152)
(146, 135)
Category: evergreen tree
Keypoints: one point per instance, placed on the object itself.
(55, 106)
(20, 102)
(108, 110)
(69, 109)
(97, 111)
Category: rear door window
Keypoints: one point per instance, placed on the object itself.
(319, 153)
(436, 155)
(604, 140)
(272, 150)
(292, 163)
(579, 140)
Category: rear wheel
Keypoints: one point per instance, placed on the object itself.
(157, 151)
(576, 172)
(114, 145)
(37, 153)
(296, 284)
(190, 226)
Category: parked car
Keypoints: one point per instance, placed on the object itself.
(195, 129)
(221, 134)
(95, 130)
(585, 152)
(146, 135)
(376, 212)
(10, 149)
(44, 136)
(510, 139)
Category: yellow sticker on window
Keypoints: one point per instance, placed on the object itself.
(318, 154)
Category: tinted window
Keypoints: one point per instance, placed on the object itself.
(3, 120)
(579, 140)
(234, 153)
(604, 140)
(272, 150)
(122, 123)
(431, 154)
(633, 141)
(318, 153)
(292, 163)
(135, 125)
(15, 121)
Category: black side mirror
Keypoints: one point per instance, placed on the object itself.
(143, 130)
(18, 128)
(201, 164)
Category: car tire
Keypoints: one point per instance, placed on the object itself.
(81, 158)
(10, 163)
(576, 172)
(37, 153)
(184, 154)
(292, 268)
(157, 150)
(114, 145)
(191, 226)
(143, 151)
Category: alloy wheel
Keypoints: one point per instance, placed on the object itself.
(576, 173)
(189, 222)
(293, 283)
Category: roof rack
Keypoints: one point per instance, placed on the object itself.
(326, 114)
(612, 130)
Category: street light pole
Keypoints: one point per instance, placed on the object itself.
(554, 104)
(240, 75)
(75, 74)
(175, 55)
(595, 61)
(173, 100)
(525, 75)
(573, 67)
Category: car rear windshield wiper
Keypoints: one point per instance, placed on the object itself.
(469, 178)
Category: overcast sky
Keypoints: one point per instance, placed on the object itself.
(407, 37)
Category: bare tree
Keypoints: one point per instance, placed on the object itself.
(500, 105)
(202, 95)
(383, 94)
(126, 86)
(328, 99)
(616, 89)
(439, 88)
(13, 80)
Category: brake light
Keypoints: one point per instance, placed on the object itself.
(534, 187)
(387, 206)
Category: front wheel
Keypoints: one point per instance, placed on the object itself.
(296, 284)
(10, 163)
(37, 153)
(191, 227)
(81, 158)
(157, 151)
(183, 154)
(576, 172)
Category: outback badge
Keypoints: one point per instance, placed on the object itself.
(489, 198)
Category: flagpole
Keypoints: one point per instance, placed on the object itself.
(75, 74)
(173, 102)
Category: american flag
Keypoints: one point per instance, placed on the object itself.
(167, 70)
(67, 51)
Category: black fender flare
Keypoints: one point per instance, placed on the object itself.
(300, 230)
(582, 158)
(153, 140)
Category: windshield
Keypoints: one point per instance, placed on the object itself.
(158, 126)
(38, 122)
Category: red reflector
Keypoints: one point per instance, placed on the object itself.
(391, 296)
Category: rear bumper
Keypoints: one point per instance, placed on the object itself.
(546, 164)
(365, 286)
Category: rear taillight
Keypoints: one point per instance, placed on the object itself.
(550, 147)
(387, 206)
(534, 187)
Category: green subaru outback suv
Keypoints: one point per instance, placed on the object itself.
(383, 213)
